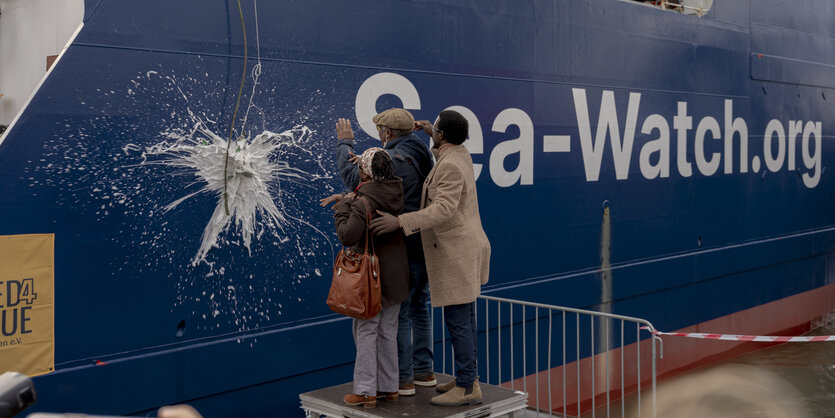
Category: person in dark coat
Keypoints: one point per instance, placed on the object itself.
(376, 366)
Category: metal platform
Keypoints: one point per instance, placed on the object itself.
(328, 402)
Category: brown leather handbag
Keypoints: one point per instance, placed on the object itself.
(355, 289)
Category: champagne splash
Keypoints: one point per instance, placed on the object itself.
(254, 175)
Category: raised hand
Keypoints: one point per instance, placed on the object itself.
(343, 129)
(330, 199)
(425, 126)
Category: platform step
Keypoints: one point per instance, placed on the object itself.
(497, 402)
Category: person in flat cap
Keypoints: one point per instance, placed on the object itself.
(412, 162)
(456, 248)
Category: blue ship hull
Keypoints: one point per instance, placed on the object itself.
(700, 143)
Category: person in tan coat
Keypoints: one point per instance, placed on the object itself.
(457, 249)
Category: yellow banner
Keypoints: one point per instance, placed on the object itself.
(27, 304)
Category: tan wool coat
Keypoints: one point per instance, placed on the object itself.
(456, 248)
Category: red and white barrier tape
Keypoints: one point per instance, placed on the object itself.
(754, 338)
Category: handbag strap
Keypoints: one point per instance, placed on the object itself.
(367, 225)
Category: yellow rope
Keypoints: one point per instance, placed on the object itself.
(234, 116)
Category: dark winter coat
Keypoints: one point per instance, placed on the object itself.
(350, 218)
(412, 163)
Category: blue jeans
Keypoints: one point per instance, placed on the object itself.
(414, 339)
(460, 321)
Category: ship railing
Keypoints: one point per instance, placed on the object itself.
(698, 8)
(571, 362)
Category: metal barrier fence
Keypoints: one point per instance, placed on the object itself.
(571, 362)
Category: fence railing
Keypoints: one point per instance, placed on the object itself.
(571, 362)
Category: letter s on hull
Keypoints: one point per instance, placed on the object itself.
(377, 86)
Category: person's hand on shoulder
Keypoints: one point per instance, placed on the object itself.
(384, 224)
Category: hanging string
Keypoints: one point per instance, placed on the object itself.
(257, 36)
(256, 71)
(234, 117)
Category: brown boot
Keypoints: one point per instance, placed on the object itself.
(388, 396)
(406, 389)
(364, 400)
(426, 380)
(458, 396)
(445, 387)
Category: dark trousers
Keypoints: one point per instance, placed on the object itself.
(414, 336)
(460, 321)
